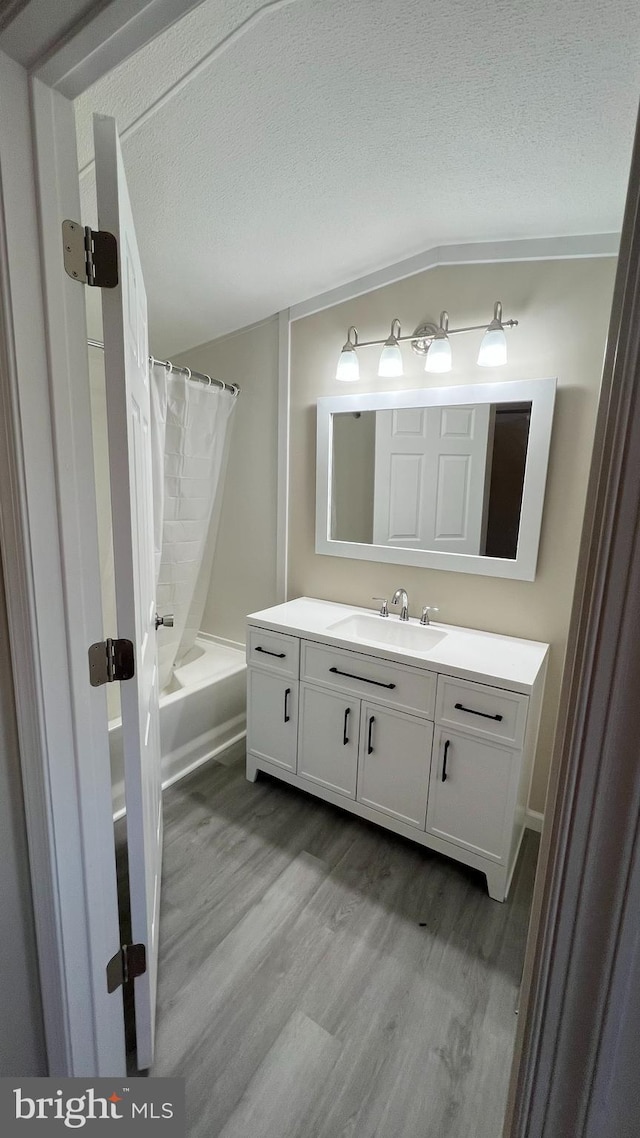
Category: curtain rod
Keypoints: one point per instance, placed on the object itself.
(199, 375)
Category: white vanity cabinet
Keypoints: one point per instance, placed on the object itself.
(272, 718)
(401, 738)
(365, 751)
(472, 793)
(395, 755)
(375, 750)
(328, 739)
(272, 697)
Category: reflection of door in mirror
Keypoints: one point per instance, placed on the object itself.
(432, 472)
(443, 478)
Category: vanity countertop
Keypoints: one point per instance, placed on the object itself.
(505, 661)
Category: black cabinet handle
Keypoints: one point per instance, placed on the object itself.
(345, 737)
(286, 705)
(279, 655)
(369, 743)
(472, 711)
(350, 676)
(444, 760)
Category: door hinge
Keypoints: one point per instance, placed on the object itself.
(90, 255)
(130, 961)
(111, 660)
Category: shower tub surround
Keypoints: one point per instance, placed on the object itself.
(202, 714)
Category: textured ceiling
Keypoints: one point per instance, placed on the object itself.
(327, 139)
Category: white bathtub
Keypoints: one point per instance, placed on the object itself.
(202, 714)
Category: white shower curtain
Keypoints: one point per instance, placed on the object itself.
(190, 424)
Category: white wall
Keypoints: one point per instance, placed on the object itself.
(563, 308)
(21, 1033)
(244, 569)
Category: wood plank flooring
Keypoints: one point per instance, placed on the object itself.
(323, 978)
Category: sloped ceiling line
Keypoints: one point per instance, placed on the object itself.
(266, 9)
(561, 248)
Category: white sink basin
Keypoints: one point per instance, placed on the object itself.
(388, 631)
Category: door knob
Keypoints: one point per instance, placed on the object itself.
(167, 620)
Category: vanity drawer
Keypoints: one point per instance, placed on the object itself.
(411, 689)
(273, 651)
(482, 710)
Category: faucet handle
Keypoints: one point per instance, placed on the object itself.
(384, 607)
(424, 619)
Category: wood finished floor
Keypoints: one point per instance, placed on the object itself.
(323, 978)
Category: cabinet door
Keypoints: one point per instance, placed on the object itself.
(272, 718)
(328, 744)
(472, 793)
(393, 770)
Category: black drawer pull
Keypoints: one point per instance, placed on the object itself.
(369, 743)
(280, 655)
(350, 676)
(345, 737)
(444, 760)
(287, 693)
(484, 714)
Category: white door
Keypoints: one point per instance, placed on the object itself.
(272, 718)
(124, 312)
(328, 748)
(471, 795)
(431, 478)
(393, 772)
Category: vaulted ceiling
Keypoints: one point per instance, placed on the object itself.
(278, 149)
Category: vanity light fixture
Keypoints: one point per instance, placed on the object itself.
(439, 351)
(390, 364)
(429, 340)
(348, 369)
(493, 349)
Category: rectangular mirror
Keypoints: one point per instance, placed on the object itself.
(445, 478)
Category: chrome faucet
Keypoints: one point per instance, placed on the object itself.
(400, 598)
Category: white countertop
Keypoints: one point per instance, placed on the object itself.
(505, 661)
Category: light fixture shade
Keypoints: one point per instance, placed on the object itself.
(493, 349)
(390, 364)
(439, 355)
(348, 369)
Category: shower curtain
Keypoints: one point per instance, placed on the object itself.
(190, 425)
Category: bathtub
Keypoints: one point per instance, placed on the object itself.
(202, 714)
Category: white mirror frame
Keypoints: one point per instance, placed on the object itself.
(539, 392)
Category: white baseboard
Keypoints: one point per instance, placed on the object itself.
(534, 820)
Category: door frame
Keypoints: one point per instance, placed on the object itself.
(53, 603)
(42, 538)
(572, 1031)
(48, 535)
